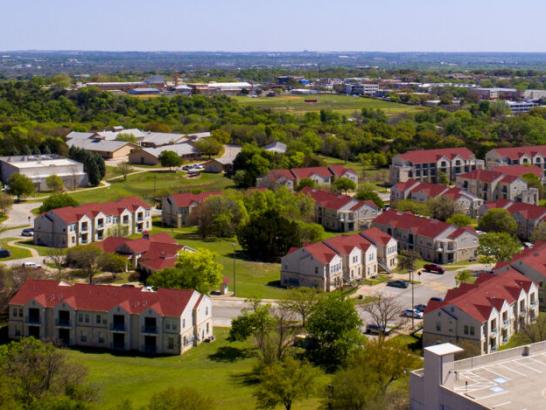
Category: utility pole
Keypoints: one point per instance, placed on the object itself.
(412, 301)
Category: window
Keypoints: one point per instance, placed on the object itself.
(83, 337)
(98, 319)
(101, 338)
(87, 318)
(471, 330)
(465, 329)
(171, 343)
(438, 326)
(80, 317)
(168, 325)
(207, 328)
(183, 323)
(206, 311)
(316, 269)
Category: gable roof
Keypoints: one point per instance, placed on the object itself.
(301, 173)
(185, 199)
(534, 258)
(527, 211)
(433, 155)
(103, 298)
(419, 225)
(376, 236)
(330, 200)
(482, 175)
(71, 214)
(320, 252)
(519, 170)
(516, 152)
(344, 244)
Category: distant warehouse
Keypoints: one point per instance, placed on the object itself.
(39, 167)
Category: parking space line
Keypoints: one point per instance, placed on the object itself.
(496, 406)
(511, 370)
(518, 362)
(487, 369)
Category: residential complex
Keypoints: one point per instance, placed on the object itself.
(529, 155)
(387, 248)
(465, 202)
(39, 167)
(433, 240)
(492, 185)
(334, 263)
(484, 314)
(123, 318)
(84, 224)
(341, 213)
(433, 165)
(321, 176)
(176, 209)
(528, 216)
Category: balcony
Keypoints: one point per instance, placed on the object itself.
(506, 323)
(140, 218)
(32, 320)
(62, 323)
(493, 334)
(149, 329)
(118, 327)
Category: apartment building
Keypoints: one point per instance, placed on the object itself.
(177, 209)
(529, 155)
(465, 202)
(495, 93)
(433, 240)
(321, 176)
(84, 224)
(330, 264)
(492, 185)
(430, 165)
(123, 318)
(484, 314)
(341, 213)
(39, 167)
(528, 216)
(530, 262)
(387, 248)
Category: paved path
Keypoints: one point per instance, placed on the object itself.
(19, 216)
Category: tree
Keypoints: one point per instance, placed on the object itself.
(344, 184)
(533, 181)
(256, 321)
(250, 164)
(58, 257)
(6, 203)
(123, 169)
(219, 216)
(269, 236)
(93, 164)
(441, 207)
(465, 276)
(59, 200)
(310, 232)
(370, 195)
(301, 301)
(443, 178)
(407, 205)
(170, 159)
(460, 220)
(55, 183)
(38, 371)
(181, 398)
(306, 182)
(194, 270)
(112, 262)
(86, 258)
(20, 185)
(333, 331)
(208, 146)
(285, 382)
(126, 137)
(539, 233)
(497, 247)
(534, 332)
(11, 280)
(407, 260)
(498, 220)
(384, 312)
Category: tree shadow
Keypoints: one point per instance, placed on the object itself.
(275, 284)
(229, 354)
(246, 378)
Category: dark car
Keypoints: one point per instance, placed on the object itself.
(420, 307)
(435, 299)
(398, 284)
(432, 267)
(374, 329)
(4, 253)
(27, 232)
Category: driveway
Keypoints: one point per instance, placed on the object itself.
(19, 215)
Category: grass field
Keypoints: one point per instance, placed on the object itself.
(16, 253)
(220, 370)
(154, 183)
(340, 103)
(254, 279)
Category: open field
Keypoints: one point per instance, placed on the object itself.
(151, 184)
(219, 370)
(340, 103)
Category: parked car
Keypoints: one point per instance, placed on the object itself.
(432, 267)
(373, 329)
(412, 313)
(4, 253)
(420, 307)
(398, 283)
(27, 232)
(186, 167)
(199, 167)
(31, 265)
(435, 299)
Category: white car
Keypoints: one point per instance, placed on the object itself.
(31, 265)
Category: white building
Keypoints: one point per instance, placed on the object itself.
(39, 167)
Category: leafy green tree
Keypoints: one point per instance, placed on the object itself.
(55, 183)
(59, 200)
(124, 169)
(93, 164)
(366, 194)
(194, 270)
(170, 159)
(208, 146)
(112, 262)
(407, 205)
(127, 137)
(219, 216)
(344, 185)
(6, 202)
(539, 233)
(301, 302)
(181, 398)
(534, 182)
(20, 185)
(250, 164)
(257, 321)
(306, 182)
(460, 220)
(498, 220)
(333, 331)
(268, 236)
(284, 383)
(465, 276)
(310, 232)
(441, 207)
(497, 247)
(86, 258)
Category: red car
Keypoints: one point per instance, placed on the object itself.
(432, 267)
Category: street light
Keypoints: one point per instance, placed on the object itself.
(412, 300)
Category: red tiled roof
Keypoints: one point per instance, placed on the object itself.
(103, 298)
(482, 175)
(160, 256)
(426, 156)
(320, 252)
(488, 292)
(185, 199)
(302, 173)
(517, 152)
(527, 211)
(344, 244)
(340, 170)
(71, 214)
(534, 258)
(376, 236)
(404, 186)
(519, 170)
(429, 189)
(330, 200)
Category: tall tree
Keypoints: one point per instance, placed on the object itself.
(384, 312)
(124, 169)
(498, 220)
(497, 247)
(55, 183)
(20, 185)
(86, 258)
(301, 301)
(170, 159)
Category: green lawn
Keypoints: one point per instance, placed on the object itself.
(341, 103)
(16, 253)
(42, 250)
(220, 370)
(151, 184)
(254, 279)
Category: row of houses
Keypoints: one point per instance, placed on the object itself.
(121, 318)
(339, 261)
(321, 176)
(448, 163)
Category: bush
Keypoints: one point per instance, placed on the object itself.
(112, 262)
(57, 201)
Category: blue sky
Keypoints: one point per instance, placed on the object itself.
(282, 25)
